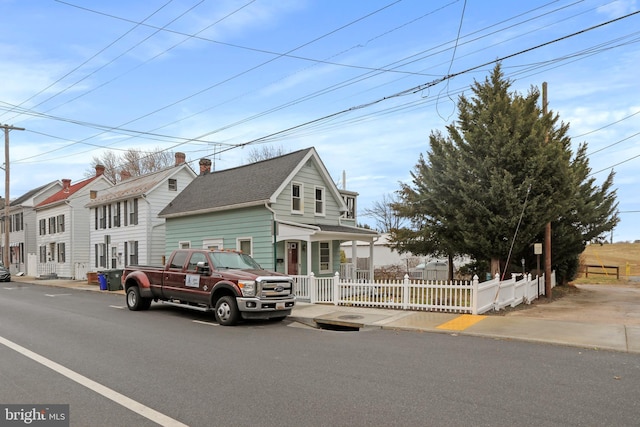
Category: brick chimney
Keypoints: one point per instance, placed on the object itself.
(66, 183)
(180, 158)
(124, 175)
(99, 170)
(205, 166)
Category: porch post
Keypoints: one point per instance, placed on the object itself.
(371, 261)
(354, 260)
(309, 265)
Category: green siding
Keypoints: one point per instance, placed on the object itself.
(310, 177)
(255, 222)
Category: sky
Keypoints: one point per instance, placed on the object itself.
(364, 82)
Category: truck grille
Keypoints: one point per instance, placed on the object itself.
(274, 289)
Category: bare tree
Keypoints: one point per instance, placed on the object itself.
(134, 161)
(110, 161)
(264, 152)
(384, 214)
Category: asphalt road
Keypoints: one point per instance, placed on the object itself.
(168, 366)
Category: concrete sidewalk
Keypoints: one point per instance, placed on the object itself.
(617, 337)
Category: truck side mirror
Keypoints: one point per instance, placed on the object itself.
(203, 267)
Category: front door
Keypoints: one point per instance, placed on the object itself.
(293, 251)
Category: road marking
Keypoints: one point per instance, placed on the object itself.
(10, 289)
(119, 398)
(57, 295)
(205, 323)
(461, 323)
(119, 307)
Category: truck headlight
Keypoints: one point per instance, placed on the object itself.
(248, 287)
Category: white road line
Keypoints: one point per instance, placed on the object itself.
(119, 398)
(120, 307)
(57, 295)
(205, 323)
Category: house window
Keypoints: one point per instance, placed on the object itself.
(52, 225)
(51, 255)
(43, 227)
(133, 212)
(212, 244)
(325, 257)
(60, 219)
(43, 254)
(101, 255)
(133, 252)
(173, 184)
(103, 217)
(114, 256)
(319, 201)
(61, 253)
(350, 201)
(296, 198)
(116, 214)
(244, 245)
(184, 245)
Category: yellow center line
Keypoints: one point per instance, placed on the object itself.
(461, 323)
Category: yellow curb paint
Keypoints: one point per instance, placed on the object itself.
(461, 323)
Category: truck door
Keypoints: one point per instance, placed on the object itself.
(174, 277)
(197, 284)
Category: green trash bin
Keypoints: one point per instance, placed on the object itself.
(114, 279)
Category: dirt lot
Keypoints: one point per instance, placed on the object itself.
(613, 304)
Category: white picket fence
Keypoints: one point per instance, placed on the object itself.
(408, 294)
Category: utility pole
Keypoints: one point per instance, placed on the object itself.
(547, 228)
(5, 252)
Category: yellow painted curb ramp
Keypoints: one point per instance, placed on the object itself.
(461, 323)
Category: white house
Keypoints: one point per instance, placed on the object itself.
(63, 228)
(124, 225)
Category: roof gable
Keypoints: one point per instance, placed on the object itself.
(247, 185)
(34, 192)
(66, 193)
(139, 185)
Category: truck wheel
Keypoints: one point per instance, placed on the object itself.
(227, 311)
(135, 302)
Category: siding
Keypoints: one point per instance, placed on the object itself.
(255, 222)
(310, 177)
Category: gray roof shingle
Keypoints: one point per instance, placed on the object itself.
(242, 185)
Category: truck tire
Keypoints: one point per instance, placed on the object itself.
(135, 302)
(227, 312)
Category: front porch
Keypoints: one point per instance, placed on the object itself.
(315, 249)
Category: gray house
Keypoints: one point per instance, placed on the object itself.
(286, 212)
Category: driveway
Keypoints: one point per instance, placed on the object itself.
(609, 304)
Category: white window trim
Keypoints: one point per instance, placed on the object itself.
(184, 244)
(320, 256)
(301, 210)
(207, 243)
(324, 200)
(240, 239)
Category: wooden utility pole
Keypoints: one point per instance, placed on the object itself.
(547, 228)
(5, 252)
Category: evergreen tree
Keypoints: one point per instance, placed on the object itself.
(489, 186)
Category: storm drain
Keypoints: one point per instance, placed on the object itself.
(345, 322)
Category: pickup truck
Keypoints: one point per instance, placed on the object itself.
(230, 283)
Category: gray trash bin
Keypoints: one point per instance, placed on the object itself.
(114, 279)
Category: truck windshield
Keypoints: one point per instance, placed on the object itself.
(234, 260)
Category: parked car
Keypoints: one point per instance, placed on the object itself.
(5, 274)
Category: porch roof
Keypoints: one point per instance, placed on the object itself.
(318, 232)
